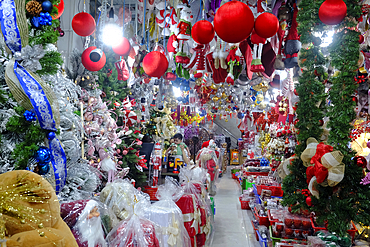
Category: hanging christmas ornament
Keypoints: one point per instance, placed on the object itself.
(234, 22)
(43, 155)
(360, 161)
(203, 32)
(155, 64)
(309, 201)
(43, 169)
(123, 48)
(88, 63)
(47, 6)
(83, 24)
(29, 116)
(332, 12)
(51, 135)
(60, 8)
(266, 25)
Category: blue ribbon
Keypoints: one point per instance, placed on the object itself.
(33, 90)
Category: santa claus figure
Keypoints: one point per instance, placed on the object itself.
(83, 218)
(208, 158)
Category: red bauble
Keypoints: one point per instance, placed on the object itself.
(83, 24)
(60, 8)
(123, 48)
(266, 25)
(360, 161)
(233, 22)
(203, 32)
(332, 12)
(361, 39)
(90, 65)
(321, 122)
(309, 201)
(155, 64)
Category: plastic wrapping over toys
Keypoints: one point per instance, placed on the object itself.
(196, 208)
(116, 196)
(168, 216)
(89, 221)
(135, 231)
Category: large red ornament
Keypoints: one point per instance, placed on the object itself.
(266, 25)
(234, 22)
(90, 65)
(203, 32)
(83, 24)
(60, 8)
(332, 12)
(123, 48)
(360, 161)
(155, 64)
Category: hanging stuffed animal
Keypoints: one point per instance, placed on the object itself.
(292, 45)
(183, 34)
(233, 60)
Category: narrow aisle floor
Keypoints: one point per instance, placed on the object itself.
(232, 225)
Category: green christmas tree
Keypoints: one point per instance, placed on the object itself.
(349, 199)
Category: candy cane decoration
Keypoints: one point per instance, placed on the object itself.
(166, 19)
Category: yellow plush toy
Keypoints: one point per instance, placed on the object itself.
(30, 212)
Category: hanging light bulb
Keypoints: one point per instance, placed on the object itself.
(112, 33)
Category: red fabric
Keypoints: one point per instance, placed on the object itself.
(319, 171)
(247, 53)
(186, 204)
(266, 25)
(205, 144)
(71, 211)
(201, 239)
(170, 47)
(155, 64)
(185, 30)
(233, 22)
(203, 32)
(218, 75)
(256, 39)
(122, 70)
(211, 165)
(293, 33)
(320, 151)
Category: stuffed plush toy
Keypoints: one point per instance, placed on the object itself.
(30, 211)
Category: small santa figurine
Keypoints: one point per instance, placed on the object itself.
(83, 218)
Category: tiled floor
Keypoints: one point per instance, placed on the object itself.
(232, 225)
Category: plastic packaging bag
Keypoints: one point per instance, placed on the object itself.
(195, 205)
(117, 196)
(168, 216)
(135, 231)
(89, 221)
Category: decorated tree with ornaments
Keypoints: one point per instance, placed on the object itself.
(324, 179)
(49, 146)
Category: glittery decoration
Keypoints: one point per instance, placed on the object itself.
(30, 57)
(2, 227)
(45, 19)
(43, 155)
(30, 116)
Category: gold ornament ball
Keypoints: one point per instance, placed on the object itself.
(215, 98)
(260, 97)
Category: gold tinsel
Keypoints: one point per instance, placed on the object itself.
(33, 8)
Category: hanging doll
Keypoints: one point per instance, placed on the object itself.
(216, 62)
(292, 45)
(183, 34)
(166, 18)
(234, 61)
(258, 43)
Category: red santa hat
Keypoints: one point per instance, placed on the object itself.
(205, 144)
